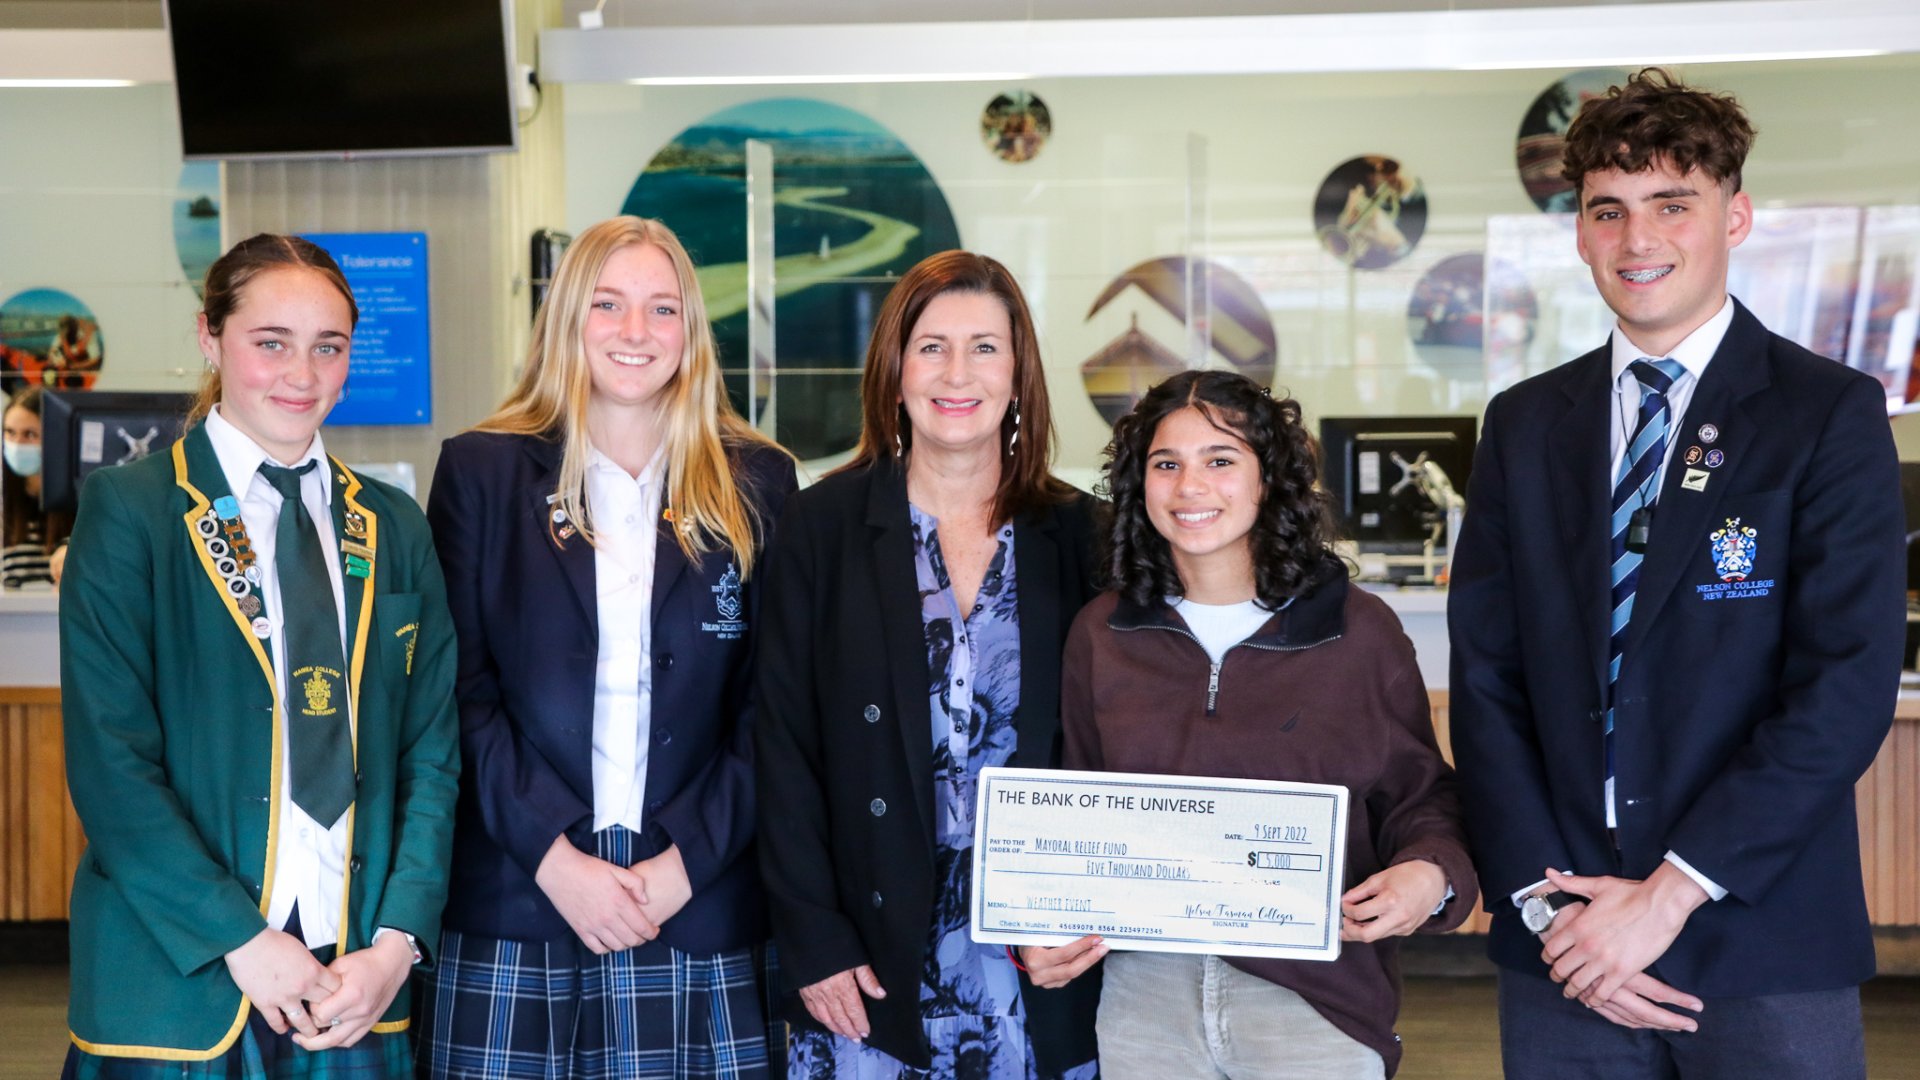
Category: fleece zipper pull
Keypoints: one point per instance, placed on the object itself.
(1213, 689)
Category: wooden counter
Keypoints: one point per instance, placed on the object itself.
(40, 839)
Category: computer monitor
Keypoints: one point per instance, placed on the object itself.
(84, 430)
(1391, 477)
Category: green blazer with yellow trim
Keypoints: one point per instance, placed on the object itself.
(173, 749)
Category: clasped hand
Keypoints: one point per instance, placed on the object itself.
(1601, 949)
(281, 977)
(613, 907)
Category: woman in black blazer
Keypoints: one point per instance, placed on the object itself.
(601, 534)
(916, 605)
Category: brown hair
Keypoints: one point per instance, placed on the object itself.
(1025, 483)
(697, 422)
(1657, 118)
(228, 277)
(1292, 531)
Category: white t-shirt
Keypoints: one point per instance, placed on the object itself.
(1219, 627)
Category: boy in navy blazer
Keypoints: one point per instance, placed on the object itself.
(1677, 617)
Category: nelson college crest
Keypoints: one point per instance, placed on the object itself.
(1734, 547)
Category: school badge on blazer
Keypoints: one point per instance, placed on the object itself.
(726, 603)
(1734, 548)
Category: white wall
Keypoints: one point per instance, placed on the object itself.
(1110, 188)
(86, 206)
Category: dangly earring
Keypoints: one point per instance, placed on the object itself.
(1015, 437)
(897, 451)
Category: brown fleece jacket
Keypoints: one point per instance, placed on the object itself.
(1326, 692)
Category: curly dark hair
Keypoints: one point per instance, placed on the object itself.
(1655, 117)
(1292, 534)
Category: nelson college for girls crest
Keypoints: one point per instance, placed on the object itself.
(726, 603)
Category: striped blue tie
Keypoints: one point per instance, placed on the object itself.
(1637, 485)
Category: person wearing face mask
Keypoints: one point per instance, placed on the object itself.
(35, 546)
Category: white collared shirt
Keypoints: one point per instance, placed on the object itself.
(309, 858)
(625, 511)
(1693, 353)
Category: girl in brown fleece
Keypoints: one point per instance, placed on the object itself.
(1230, 645)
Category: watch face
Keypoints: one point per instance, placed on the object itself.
(1536, 914)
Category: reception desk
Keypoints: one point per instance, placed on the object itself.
(40, 839)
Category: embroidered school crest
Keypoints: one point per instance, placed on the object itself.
(319, 694)
(1733, 547)
(726, 595)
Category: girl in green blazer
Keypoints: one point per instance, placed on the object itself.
(257, 672)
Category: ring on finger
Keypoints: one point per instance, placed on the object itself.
(335, 1022)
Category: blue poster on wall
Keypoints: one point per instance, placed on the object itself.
(390, 378)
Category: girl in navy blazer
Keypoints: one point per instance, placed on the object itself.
(600, 534)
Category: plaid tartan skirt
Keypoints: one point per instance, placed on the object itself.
(499, 1009)
(259, 1054)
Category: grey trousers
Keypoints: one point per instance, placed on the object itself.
(1165, 1016)
(1812, 1036)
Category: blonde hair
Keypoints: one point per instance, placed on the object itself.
(697, 420)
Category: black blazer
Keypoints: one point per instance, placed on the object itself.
(845, 746)
(526, 612)
(1743, 714)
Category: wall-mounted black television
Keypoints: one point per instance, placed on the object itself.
(85, 430)
(343, 78)
(1385, 476)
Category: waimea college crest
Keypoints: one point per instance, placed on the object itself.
(726, 603)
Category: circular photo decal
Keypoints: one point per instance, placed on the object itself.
(1015, 125)
(853, 210)
(1464, 303)
(1543, 135)
(49, 338)
(1370, 212)
(196, 221)
(1239, 332)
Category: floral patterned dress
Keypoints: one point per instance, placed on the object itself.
(969, 993)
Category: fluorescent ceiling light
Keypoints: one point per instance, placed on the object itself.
(60, 84)
(84, 58)
(1650, 59)
(1457, 39)
(783, 80)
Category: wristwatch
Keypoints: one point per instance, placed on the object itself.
(1537, 912)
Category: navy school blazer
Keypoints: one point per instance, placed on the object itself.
(525, 610)
(1761, 666)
